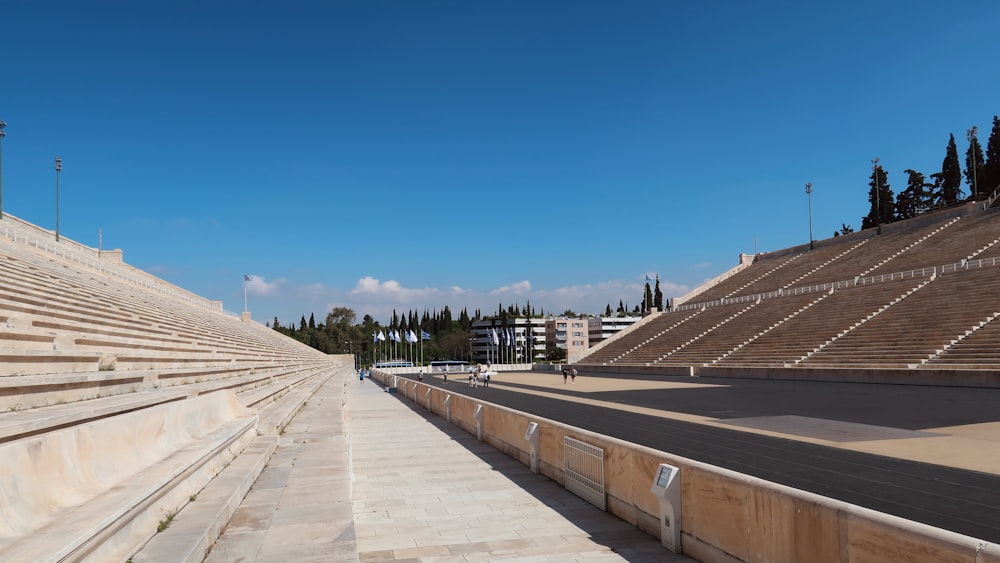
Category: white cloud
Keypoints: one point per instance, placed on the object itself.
(517, 288)
(260, 287)
(394, 291)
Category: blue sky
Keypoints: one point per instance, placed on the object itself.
(414, 154)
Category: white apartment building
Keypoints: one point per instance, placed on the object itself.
(572, 335)
(521, 335)
(603, 328)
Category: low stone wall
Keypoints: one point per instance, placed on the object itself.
(726, 516)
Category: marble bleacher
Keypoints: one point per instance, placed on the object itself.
(684, 334)
(640, 335)
(909, 331)
(122, 397)
(729, 336)
(796, 337)
(920, 295)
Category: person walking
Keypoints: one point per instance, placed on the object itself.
(572, 374)
(565, 375)
(361, 375)
(486, 379)
(446, 375)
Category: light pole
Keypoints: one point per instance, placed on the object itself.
(2, 135)
(878, 203)
(58, 170)
(809, 195)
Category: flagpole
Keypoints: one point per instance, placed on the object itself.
(245, 308)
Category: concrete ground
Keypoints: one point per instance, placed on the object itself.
(363, 475)
(299, 509)
(425, 490)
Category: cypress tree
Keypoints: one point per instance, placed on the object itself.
(974, 164)
(951, 175)
(914, 199)
(658, 295)
(881, 198)
(991, 166)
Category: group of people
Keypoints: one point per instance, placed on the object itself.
(569, 372)
(475, 375)
(484, 375)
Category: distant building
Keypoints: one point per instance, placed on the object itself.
(567, 334)
(540, 334)
(603, 328)
(521, 335)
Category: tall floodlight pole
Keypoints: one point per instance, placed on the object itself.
(2, 135)
(878, 202)
(58, 170)
(809, 196)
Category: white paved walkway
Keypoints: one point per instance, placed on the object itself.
(424, 490)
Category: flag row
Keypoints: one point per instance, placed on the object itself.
(396, 336)
(507, 335)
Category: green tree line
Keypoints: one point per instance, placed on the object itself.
(449, 336)
(980, 171)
